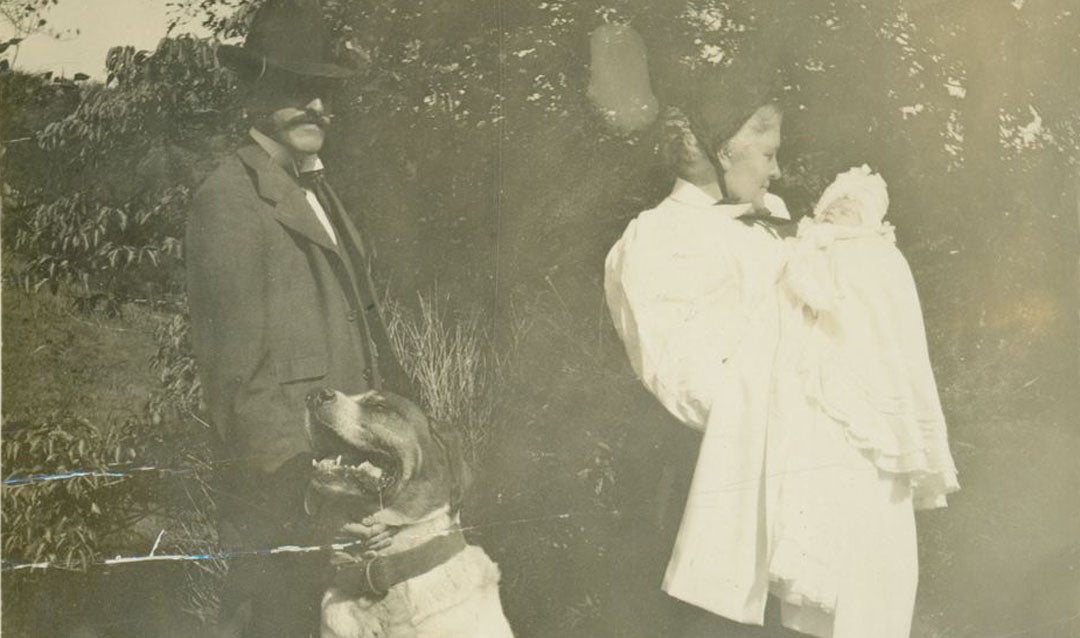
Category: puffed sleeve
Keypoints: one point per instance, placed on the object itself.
(674, 293)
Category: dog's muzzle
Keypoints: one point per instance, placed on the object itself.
(320, 397)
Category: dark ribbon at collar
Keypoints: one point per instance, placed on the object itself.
(375, 576)
(777, 226)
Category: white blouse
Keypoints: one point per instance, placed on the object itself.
(682, 284)
(693, 294)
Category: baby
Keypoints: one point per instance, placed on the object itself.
(857, 435)
(863, 356)
(855, 198)
(852, 208)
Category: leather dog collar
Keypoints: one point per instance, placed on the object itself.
(375, 576)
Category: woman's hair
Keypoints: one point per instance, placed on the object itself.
(763, 120)
(679, 146)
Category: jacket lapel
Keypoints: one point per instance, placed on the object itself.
(291, 207)
(354, 233)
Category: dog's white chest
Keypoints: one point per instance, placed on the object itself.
(458, 599)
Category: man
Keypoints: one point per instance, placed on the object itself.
(691, 288)
(281, 303)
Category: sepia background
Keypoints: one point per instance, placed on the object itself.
(491, 189)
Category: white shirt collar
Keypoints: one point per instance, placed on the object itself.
(285, 158)
(685, 192)
(693, 195)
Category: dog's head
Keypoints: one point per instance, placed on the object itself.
(377, 451)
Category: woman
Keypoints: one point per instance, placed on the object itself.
(692, 289)
(693, 286)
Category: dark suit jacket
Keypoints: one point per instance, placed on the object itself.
(275, 308)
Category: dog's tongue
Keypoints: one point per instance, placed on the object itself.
(367, 472)
(372, 471)
(369, 475)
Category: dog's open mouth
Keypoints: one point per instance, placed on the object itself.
(346, 466)
(370, 471)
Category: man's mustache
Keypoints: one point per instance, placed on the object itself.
(309, 117)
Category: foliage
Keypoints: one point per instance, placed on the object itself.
(121, 166)
(73, 240)
(452, 363)
(64, 521)
(226, 18)
(71, 521)
(160, 477)
(144, 475)
(181, 391)
(26, 16)
(176, 94)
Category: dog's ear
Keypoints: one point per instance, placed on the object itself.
(453, 447)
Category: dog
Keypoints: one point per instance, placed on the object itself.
(378, 457)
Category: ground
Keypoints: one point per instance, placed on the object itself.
(55, 358)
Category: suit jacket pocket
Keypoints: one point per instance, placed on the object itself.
(301, 368)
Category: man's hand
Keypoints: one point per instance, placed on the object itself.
(376, 536)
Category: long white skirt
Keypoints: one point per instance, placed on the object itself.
(842, 546)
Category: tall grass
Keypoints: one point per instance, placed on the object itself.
(453, 364)
(194, 532)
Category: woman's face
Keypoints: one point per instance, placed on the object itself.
(749, 157)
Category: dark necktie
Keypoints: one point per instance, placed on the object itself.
(309, 179)
(383, 362)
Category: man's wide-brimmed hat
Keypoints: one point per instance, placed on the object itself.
(288, 35)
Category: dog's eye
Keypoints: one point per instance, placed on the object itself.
(378, 404)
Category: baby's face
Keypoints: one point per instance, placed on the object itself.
(843, 211)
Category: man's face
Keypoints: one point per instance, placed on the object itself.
(297, 114)
(300, 128)
(749, 159)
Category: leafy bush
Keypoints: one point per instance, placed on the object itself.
(121, 164)
(127, 482)
(65, 521)
(176, 94)
(73, 239)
